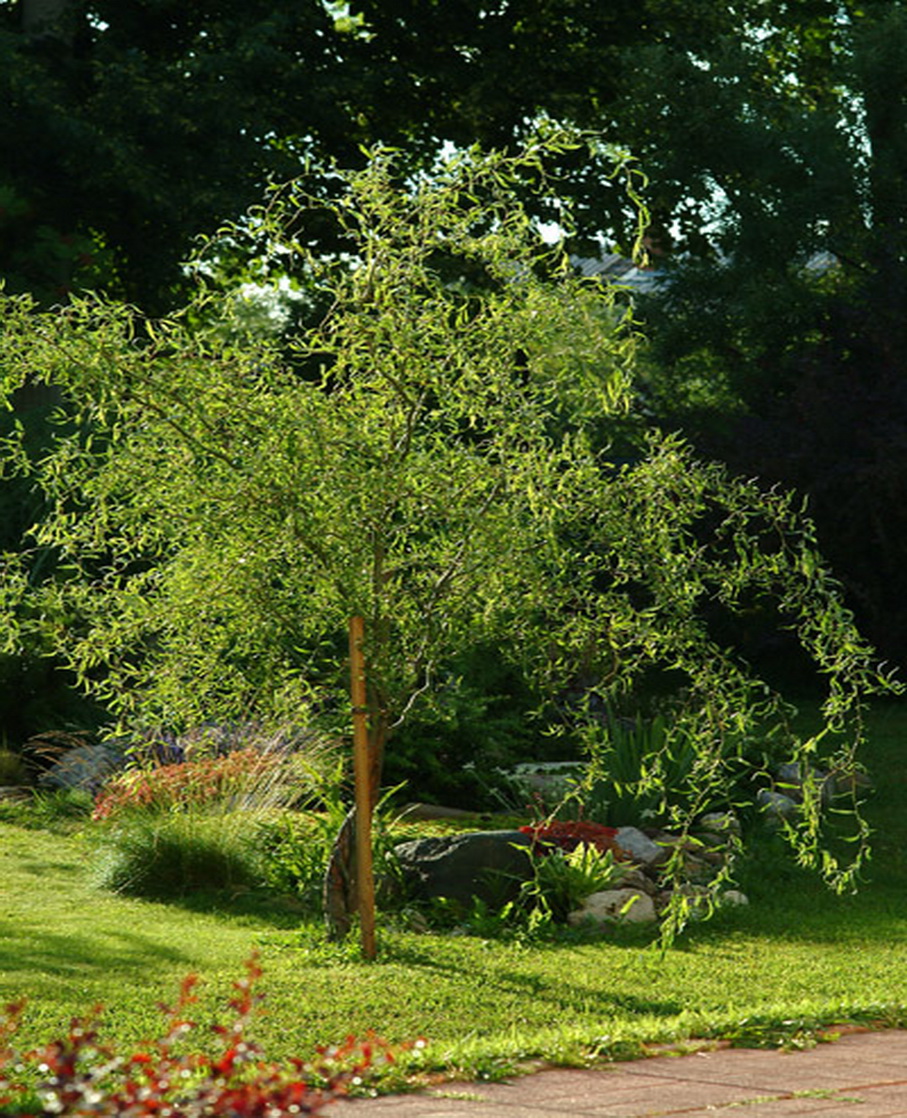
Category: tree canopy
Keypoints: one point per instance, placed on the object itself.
(215, 515)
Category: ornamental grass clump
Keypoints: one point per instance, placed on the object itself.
(81, 1075)
(243, 777)
(171, 829)
(174, 855)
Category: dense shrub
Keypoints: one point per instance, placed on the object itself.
(484, 715)
(82, 1075)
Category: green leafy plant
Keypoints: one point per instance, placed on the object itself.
(563, 879)
(296, 848)
(513, 921)
(638, 770)
(482, 715)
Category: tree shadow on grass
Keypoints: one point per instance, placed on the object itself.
(810, 913)
(41, 869)
(70, 954)
(255, 907)
(563, 996)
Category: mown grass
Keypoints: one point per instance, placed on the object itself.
(797, 958)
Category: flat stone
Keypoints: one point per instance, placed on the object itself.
(615, 906)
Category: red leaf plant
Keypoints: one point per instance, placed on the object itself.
(567, 836)
(83, 1078)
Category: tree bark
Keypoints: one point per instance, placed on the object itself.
(340, 894)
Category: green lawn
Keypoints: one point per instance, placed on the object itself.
(797, 958)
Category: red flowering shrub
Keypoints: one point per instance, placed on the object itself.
(195, 783)
(567, 836)
(85, 1078)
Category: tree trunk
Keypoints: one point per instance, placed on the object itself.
(341, 898)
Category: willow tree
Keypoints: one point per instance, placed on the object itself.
(430, 457)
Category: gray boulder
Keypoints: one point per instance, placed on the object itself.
(791, 780)
(640, 848)
(490, 865)
(777, 808)
(721, 825)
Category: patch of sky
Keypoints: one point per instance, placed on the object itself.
(267, 309)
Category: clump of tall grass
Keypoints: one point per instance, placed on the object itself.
(168, 829)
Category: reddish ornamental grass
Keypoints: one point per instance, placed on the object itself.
(187, 782)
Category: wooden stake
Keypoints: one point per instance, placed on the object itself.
(365, 878)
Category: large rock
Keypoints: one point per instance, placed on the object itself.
(490, 865)
(791, 780)
(777, 808)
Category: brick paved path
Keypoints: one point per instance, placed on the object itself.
(862, 1075)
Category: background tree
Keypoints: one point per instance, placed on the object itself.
(783, 349)
(133, 127)
(130, 128)
(217, 517)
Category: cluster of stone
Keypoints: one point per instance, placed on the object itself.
(643, 895)
(493, 865)
(781, 803)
